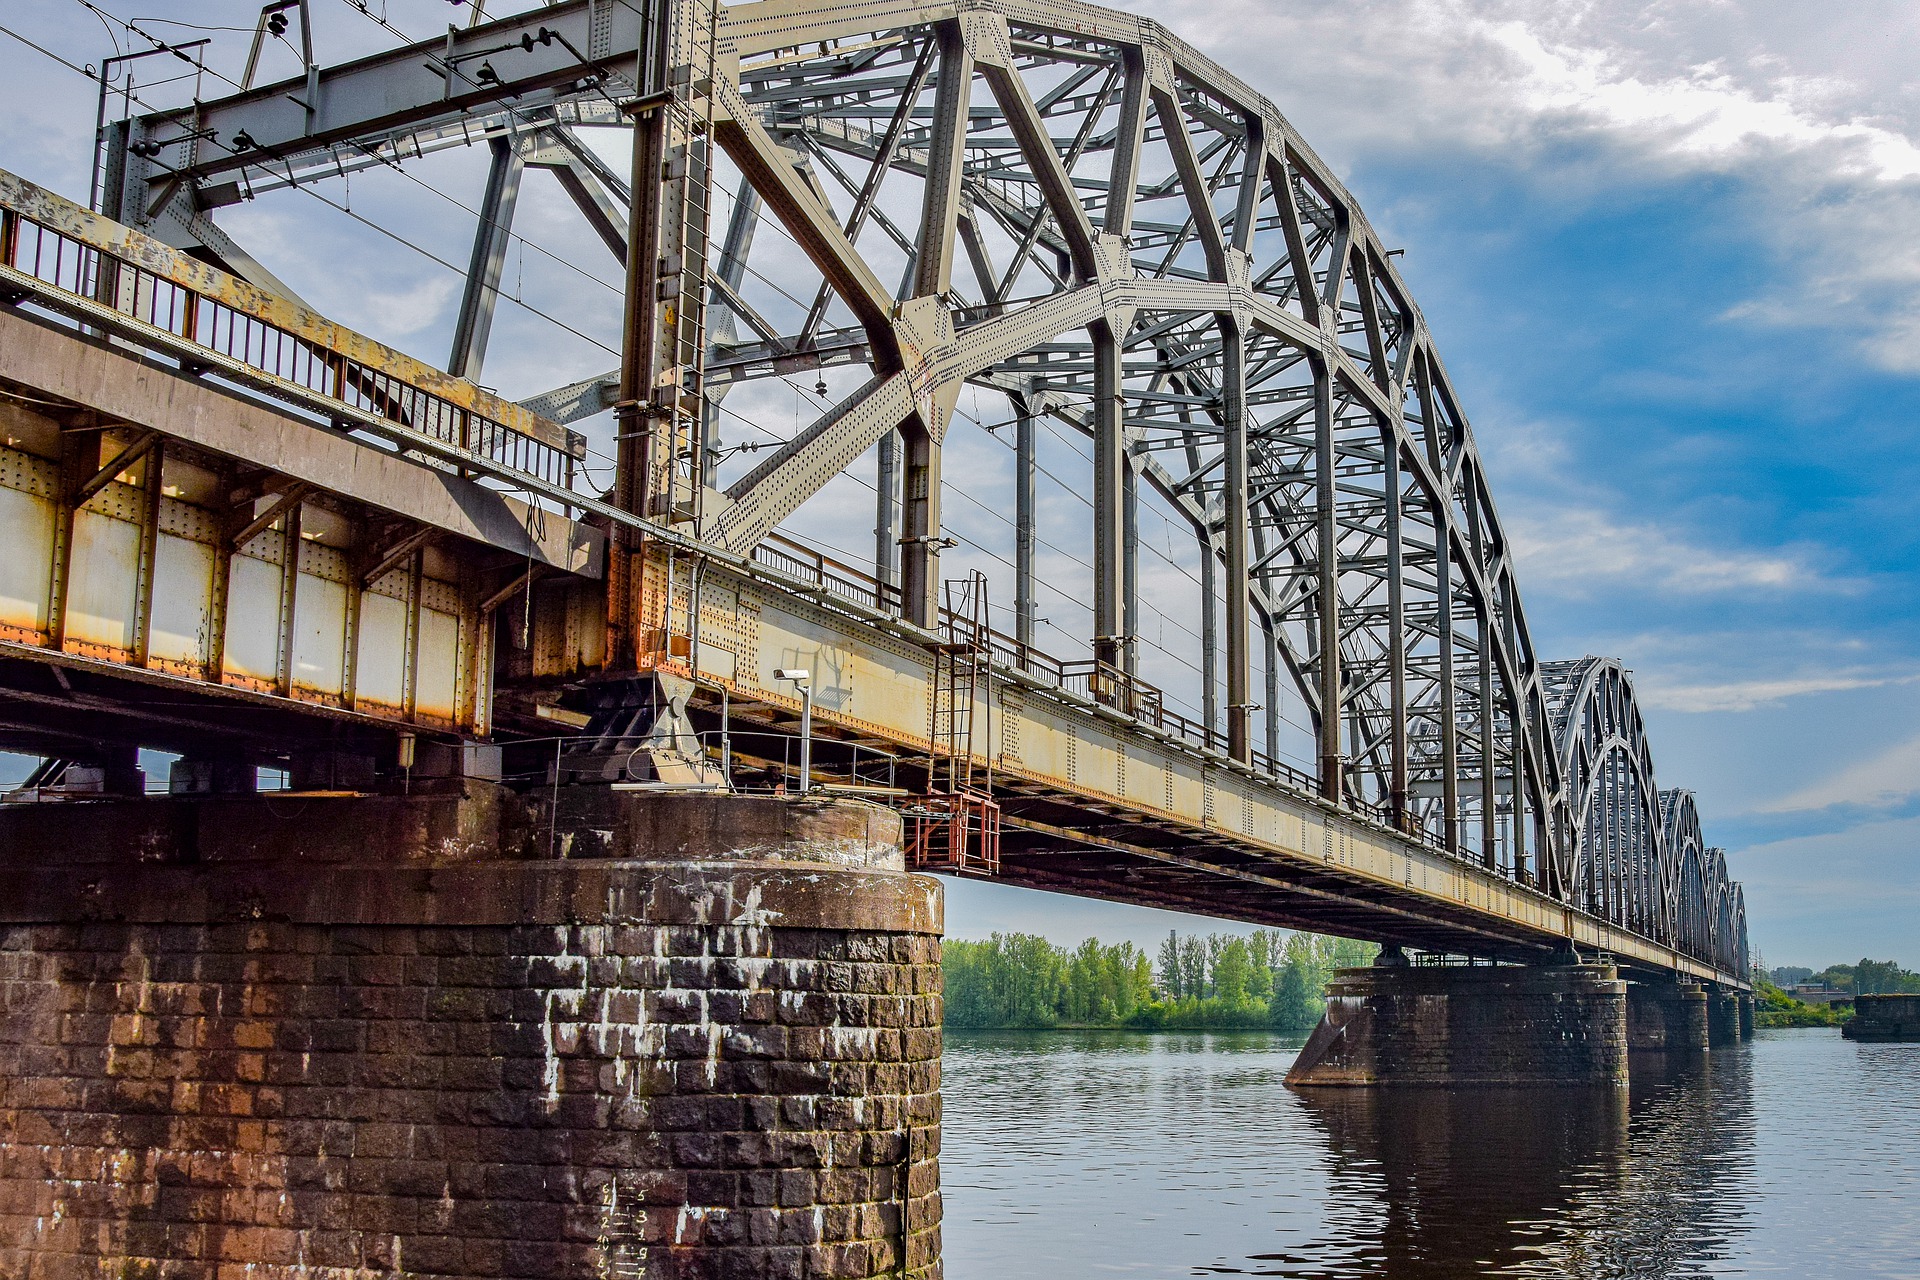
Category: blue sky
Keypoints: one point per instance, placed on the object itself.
(1668, 254)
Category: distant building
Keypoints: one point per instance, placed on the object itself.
(1822, 994)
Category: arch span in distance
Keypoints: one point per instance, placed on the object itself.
(1069, 207)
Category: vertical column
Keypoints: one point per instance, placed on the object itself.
(1489, 756)
(1130, 562)
(664, 334)
(920, 559)
(1326, 496)
(1271, 641)
(1109, 487)
(1234, 409)
(1209, 629)
(1025, 513)
(152, 478)
(886, 518)
(633, 415)
(1520, 739)
(289, 596)
(932, 277)
(1396, 637)
(1443, 600)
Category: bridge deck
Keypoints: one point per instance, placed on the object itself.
(153, 475)
(1105, 804)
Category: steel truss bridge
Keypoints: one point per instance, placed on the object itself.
(244, 533)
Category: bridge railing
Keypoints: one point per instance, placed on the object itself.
(53, 251)
(1087, 678)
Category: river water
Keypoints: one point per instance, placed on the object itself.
(1113, 1153)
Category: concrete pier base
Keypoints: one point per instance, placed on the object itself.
(462, 1035)
(1894, 1017)
(1723, 1018)
(1666, 1017)
(1746, 1017)
(1564, 1024)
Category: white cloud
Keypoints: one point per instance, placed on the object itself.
(1819, 127)
(1704, 111)
(1667, 693)
(1573, 551)
(1878, 782)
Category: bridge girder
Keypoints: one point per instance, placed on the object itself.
(1082, 211)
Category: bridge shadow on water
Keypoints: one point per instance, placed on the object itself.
(1594, 1184)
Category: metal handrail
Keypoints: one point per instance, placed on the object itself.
(67, 250)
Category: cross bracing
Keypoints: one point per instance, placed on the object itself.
(1070, 208)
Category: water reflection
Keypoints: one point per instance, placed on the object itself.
(1534, 1182)
(1072, 1154)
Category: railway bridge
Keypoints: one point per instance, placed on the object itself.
(578, 938)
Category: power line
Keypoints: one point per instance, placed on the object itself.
(395, 236)
(48, 52)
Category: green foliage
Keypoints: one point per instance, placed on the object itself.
(1218, 982)
(1773, 1007)
(1296, 1003)
(1870, 977)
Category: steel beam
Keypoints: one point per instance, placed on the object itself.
(1110, 639)
(473, 323)
(1026, 517)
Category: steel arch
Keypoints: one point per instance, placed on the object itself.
(1072, 207)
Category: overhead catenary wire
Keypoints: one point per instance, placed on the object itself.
(308, 190)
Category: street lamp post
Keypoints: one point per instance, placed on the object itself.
(803, 681)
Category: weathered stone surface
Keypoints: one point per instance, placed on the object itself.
(1443, 1025)
(1723, 1018)
(1893, 1017)
(331, 1060)
(1666, 1017)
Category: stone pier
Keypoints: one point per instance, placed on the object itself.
(1469, 1025)
(466, 1034)
(1886, 1017)
(1666, 1017)
(1723, 1018)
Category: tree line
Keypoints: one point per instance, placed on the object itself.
(1868, 978)
(1776, 1006)
(1269, 980)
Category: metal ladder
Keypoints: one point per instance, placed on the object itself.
(687, 232)
(956, 827)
